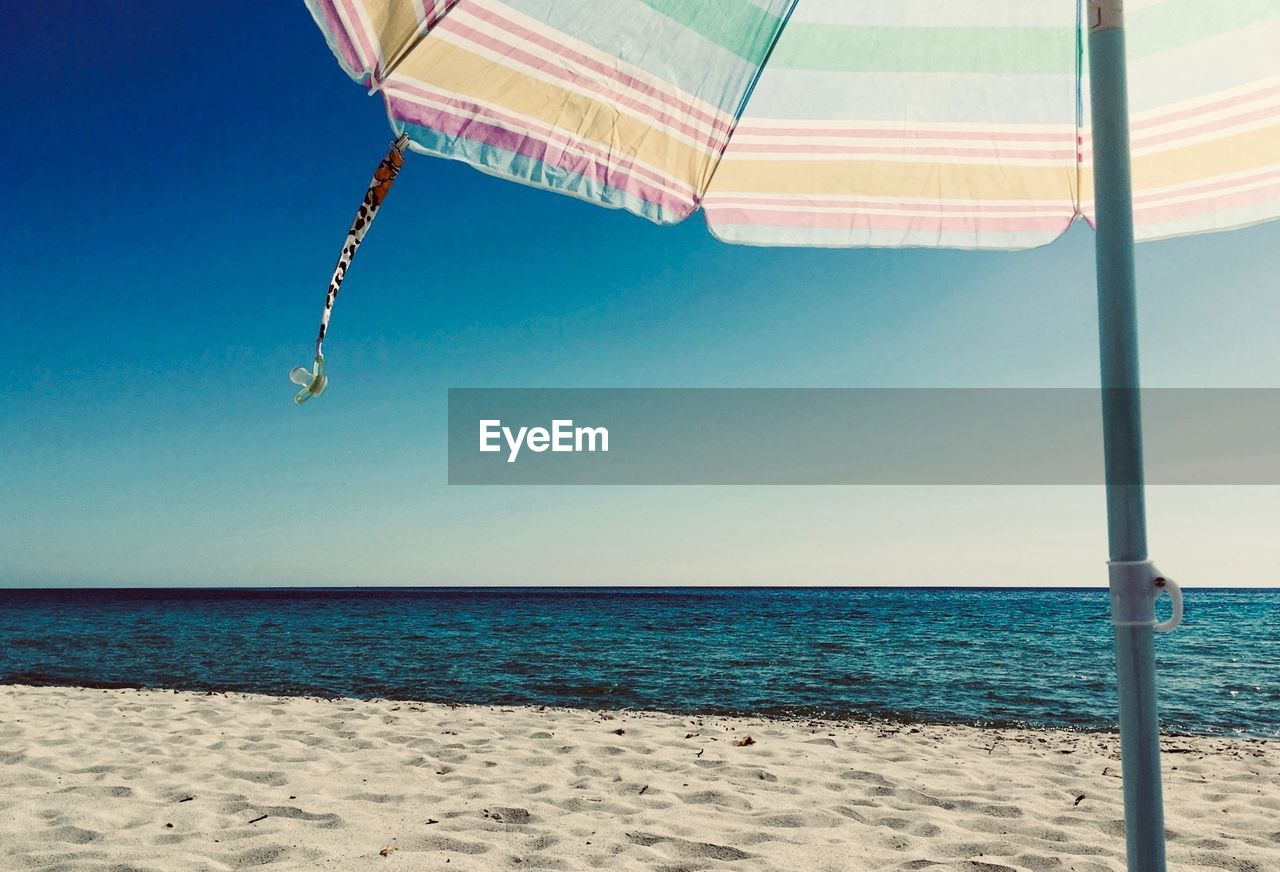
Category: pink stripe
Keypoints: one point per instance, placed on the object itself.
(1221, 127)
(682, 106)
(1212, 126)
(715, 144)
(439, 9)
(1154, 198)
(364, 41)
(1177, 211)
(551, 135)
(904, 133)
(333, 24)
(471, 128)
(1224, 103)
(1208, 187)
(864, 221)
(936, 151)
(909, 208)
(995, 136)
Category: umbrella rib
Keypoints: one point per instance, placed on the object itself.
(783, 20)
(1077, 194)
(428, 27)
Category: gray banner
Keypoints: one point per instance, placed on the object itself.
(850, 436)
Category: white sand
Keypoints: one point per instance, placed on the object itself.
(152, 780)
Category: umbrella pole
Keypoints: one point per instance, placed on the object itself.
(1132, 603)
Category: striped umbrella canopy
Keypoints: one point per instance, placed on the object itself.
(833, 122)
(888, 123)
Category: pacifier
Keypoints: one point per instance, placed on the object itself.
(313, 381)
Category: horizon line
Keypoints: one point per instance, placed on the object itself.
(591, 587)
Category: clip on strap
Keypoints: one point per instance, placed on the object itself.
(313, 381)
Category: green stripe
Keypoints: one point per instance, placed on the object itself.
(1176, 23)
(995, 50)
(738, 26)
(845, 48)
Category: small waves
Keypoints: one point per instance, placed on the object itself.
(1018, 658)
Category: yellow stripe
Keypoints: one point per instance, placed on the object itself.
(888, 179)
(1206, 160)
(394, 24)
(489, 83)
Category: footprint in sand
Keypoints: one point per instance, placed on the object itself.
(270, 779)
(443, 843)
(260, 856)
(74, 835)
(796, 820)
(866, 778)
(507, 815)
(716, 797)
(687, 849)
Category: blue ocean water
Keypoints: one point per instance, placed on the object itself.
(1006, 657)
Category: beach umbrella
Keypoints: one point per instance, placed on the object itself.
(888, 123)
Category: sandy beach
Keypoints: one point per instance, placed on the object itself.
(160, 780)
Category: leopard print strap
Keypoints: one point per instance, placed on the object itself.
(383, 178)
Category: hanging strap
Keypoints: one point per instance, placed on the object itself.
(313, 381)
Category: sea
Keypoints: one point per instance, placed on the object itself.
(999, 657)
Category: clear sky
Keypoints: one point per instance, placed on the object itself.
(177, 180)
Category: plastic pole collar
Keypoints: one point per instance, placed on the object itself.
(1135, 587)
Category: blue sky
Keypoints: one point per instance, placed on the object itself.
(179, 179)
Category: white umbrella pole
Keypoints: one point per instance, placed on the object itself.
(1133, 579)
